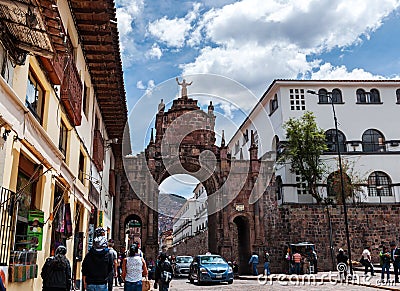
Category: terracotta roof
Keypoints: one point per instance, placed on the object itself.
(97, 28)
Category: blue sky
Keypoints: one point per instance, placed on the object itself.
(236, 46)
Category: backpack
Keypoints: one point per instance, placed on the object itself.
(166, 274)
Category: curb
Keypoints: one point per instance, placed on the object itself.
(302, 279)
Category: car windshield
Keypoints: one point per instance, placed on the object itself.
(212, 260)
(184, 260)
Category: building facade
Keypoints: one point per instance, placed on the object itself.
(191, 220)
(59, 141)
(369, 142)
(200, 223)
(183, 222)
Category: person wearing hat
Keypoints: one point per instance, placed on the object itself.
(56, 272)
(100, 231)
(342, 258)
(395, 258)
(114, 273)
(97, 265)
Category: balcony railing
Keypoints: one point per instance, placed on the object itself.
(98, 150)
(71, 93)
(8, 210)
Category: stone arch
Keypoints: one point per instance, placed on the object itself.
(169, 153)
(133, 231)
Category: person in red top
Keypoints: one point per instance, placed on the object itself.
(297, 263)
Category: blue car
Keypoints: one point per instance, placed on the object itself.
(210, 268)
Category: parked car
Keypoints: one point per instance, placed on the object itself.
(210, 268)
(182, 265)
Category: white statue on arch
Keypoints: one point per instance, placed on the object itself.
(184, 86)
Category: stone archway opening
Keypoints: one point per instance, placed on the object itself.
(133, 231)
(241, 244)
(182, 215)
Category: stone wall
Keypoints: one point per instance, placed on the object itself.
(368, 225)
(193, 246)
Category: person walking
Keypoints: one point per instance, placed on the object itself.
(2, 288)
(164, 271)
(97, 265)
(114, 273)
(267, 271)
(56, 272)
(384, 256)
(366, 254)
(395, 258)
(342, 258)
(254, 262)
(133, 270)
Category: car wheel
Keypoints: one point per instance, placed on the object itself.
(230, 281)
(198, 280)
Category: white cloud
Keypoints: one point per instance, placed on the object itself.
(170, 31)
(150, 86)
(140, 85)
(155, 52)
(181, 184)
(329, 72)
(127, 12)
(173, 32)
(258, 41)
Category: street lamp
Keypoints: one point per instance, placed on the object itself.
(346, 223)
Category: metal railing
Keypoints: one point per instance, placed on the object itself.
(8, 210)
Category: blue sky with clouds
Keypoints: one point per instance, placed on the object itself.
(249, 43)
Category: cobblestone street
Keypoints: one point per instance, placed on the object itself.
(253, 285)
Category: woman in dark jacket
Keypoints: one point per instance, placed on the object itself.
(56, 272)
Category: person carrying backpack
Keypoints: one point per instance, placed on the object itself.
(56, 272)
(97, 265)
(163, 275)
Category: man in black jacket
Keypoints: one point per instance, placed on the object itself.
(97, 265)
(56, 272)
(395, 257)
(342, 262)
(163, 274)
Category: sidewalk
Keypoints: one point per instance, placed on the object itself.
(331, 277)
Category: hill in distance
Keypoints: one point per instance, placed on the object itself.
(168, 206)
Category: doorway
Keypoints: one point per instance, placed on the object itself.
(242, 244)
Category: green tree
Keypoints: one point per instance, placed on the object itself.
(352, 180)
(305, 143)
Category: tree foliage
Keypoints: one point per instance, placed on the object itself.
(352, 180)
(305, 143)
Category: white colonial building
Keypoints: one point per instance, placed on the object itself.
(367, 112)
(191, 219)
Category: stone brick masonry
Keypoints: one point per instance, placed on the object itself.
(193, 246)
(368, 225)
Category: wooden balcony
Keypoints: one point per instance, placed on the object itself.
(55, 67)
(111, 186)
(71, 93)
(98, 150)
